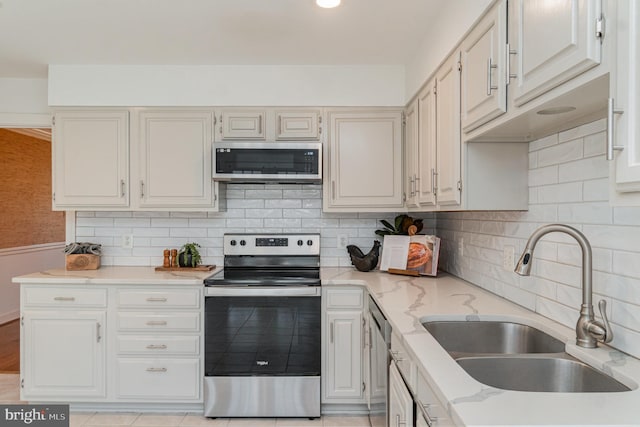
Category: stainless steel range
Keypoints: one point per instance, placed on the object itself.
(262, 328)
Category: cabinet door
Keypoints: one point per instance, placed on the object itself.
(63, 354)
(242, 125)
(427, 144)
(626, 92)
(400, 401)
(365, 160)
(554, 42)
(343, 376)
(297, 125)
(411, 155)
(448, 132)
(90, 159)
(484, 89)
(175, 159)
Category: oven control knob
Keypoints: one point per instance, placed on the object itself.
(232, 243)
(243, 242)
(300, 242)
(309, 242)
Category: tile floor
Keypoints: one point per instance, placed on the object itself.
(9, 393)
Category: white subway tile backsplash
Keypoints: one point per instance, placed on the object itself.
(543, 176)
(582, 131)
(560, 193)
(586, 213)
(548, 141)
(596, 190)
(595, 145)
(282, 203)
(581, 170)
(568, 183)
(626, 263)
(560, 153)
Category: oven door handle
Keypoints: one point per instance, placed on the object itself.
(259, 291)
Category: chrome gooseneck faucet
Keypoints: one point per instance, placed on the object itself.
(588, 330)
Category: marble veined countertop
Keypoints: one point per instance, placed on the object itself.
(116, 275)
(406, 301)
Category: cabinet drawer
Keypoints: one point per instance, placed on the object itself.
(159, 345)
(186, 322)
(344, 298)
(405, 365)
(63, 297)
(142, 298)
(171, 379)
(430, 402)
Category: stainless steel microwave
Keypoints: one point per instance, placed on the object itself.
(290, 162)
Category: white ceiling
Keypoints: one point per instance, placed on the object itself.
(35, 33)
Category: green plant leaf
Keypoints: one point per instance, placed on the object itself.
(387, 224)
(398, 222)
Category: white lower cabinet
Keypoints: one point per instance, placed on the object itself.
(111, 344)
(63, 354)
(400, 400)
(342, 369)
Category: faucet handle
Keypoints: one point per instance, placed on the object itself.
(602, 305)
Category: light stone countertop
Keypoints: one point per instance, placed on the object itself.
(408, 300)
(116, 276)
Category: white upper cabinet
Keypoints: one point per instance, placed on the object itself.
(427, 134)
(553, 41)
(364, 168)
(411, 155)
(174, 159)
(242, 124)
(91, 159)
(448, 135)
(298, 125)
(484, 85)
(625, 93)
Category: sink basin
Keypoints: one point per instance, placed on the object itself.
(541, 374)
(491, 337)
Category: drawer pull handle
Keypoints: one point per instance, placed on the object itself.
(431, 420)
(156, 369)
(157, 346)
(64, 299)
(157, 323)
(156, 299)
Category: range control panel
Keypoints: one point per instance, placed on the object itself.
(271, 244)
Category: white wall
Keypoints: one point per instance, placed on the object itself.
(112, 85)
(24, 260)
(23, 103)
(23, 96)
(568, 183)
(252, 208)
(441, 35)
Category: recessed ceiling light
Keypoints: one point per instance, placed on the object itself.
(328, 3)
(555, 110)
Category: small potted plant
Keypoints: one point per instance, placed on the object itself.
(189, 255)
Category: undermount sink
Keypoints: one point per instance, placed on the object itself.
(513, 356)
(540, 374)
(494, 337)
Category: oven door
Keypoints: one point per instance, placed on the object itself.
(262, 351)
